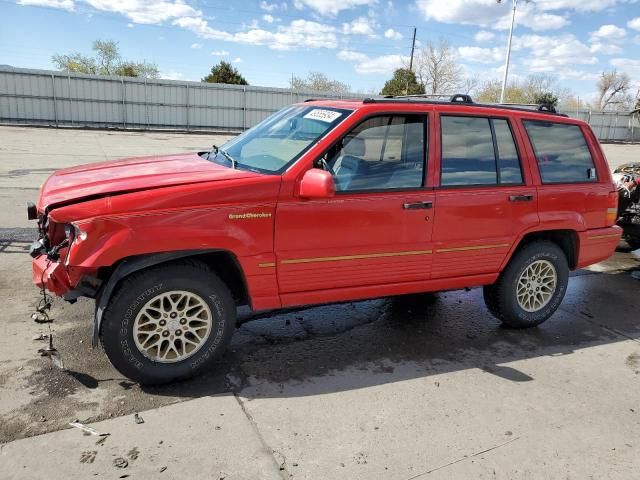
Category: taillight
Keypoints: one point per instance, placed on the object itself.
(612, 209)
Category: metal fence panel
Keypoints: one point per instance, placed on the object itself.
(59, 99)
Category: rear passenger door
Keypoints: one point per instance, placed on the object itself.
(485, 199)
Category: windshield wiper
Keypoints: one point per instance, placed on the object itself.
(229, 157)
(215, 150)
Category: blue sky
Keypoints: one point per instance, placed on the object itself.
(359, 42)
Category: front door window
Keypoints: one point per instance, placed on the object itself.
(382, 153)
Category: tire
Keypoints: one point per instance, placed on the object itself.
(534, 307)
(633, 241)
(183, 300)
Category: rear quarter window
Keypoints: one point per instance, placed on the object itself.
(561, 152)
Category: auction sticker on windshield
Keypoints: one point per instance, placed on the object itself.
(323, 115)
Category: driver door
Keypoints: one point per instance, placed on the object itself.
(377, 228)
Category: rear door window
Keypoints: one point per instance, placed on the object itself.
(561, 152)
(478, 151)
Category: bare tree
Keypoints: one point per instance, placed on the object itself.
(613, 89)
(436, 68)
(537, 88)
(319, 82)
(107, 61)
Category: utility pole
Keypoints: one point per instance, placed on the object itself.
(506, 63)
(413, 48)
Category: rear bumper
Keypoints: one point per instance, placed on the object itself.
(50, 275)
(598, 244)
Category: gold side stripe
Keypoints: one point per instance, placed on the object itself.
(266, 265)
(355, 257)
(474, 247)
(612, 210)
(596, 237)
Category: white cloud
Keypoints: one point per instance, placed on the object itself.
(299, 33)
(578, 5)
(608, 49)
(129, 25)
(237, 60)
(634, 24)
(627, 65)
(481, 55)
(270, 7)
(553, 53)
(146, 11)
(483, 36)
(196, 45)
(172, 75)
(220, 53)
(331, 7)
(268, 18)
(364, 64)
(359, 26)
(63, 4)
(608, 33)
(489, 13)
(392, 34)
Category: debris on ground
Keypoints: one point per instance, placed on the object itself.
(54, 355)
(102, 440)
(88, 456)
(138, 418)
(162, 469)
(133, 454)
(40, 336)
(87, 430)
(120, 462)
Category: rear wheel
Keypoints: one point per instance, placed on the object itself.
(168, 322)
(532, 286)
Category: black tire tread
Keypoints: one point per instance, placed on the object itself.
(495, 295)
(129, 283)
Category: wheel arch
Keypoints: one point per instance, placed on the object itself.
(223, 262)
(567, 240)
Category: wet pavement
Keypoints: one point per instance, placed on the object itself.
(407, 387)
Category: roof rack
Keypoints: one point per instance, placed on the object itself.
(463, 99)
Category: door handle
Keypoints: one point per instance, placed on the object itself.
(520, 198)
(417, 205)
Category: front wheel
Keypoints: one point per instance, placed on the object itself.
(531, 287)
(168, 322)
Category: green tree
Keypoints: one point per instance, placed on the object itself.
(224, 72)
(403, 82)
(319, 82)
(545, 98)
(106, 61)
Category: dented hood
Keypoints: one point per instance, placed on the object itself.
(94, 180)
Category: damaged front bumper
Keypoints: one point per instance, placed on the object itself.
(50, 275)
(66, 282)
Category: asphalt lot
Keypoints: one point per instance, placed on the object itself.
(425, 387)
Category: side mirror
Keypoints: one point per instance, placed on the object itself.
(317, 183)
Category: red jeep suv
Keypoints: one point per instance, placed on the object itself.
(325, 201)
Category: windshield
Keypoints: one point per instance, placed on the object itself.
(279, 140)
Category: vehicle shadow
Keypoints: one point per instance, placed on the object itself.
(358, 345)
